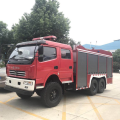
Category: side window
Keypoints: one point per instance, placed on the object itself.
(49, 53)
(65, 54)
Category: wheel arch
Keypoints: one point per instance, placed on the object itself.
(98, 78)
(54, 78)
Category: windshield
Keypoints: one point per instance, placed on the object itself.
(25, 53)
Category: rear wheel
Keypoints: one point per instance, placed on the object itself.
(101, 86)
(94, 87)
(23, 96)
(51, 94)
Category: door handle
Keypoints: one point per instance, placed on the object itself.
(55, 67)
(70, 67)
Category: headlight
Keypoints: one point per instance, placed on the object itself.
(28, 83)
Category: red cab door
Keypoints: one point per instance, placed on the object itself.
(66, 65)
(49, 65)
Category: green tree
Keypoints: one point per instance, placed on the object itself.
(116, 60)
(116, 66)
(71, 42)
(3, 38)
(3, 32)
(116, 56)
(44, 20)
(6, 37)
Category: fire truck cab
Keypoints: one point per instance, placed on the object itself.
(48, 68)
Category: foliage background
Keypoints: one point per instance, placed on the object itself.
(116, 61)
(44, 20)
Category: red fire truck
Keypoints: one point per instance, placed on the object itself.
(48, 68)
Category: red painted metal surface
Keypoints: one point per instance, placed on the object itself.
(95, 50)
(46, 38)
(41, 71)
(88, 79)
(46, 69)
(109, 80)
(30, 70)
(66, 74)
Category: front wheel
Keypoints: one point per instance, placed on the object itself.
(51, 94)
(94, 87)
(22, 96)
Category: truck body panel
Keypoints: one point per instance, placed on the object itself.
(91, 65)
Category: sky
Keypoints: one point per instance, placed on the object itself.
(91, 20)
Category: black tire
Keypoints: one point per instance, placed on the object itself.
(51, 94)
(101, 85)
(23, 96)
(93, 88)
(38, 92)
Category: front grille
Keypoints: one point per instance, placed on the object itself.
(17, 73)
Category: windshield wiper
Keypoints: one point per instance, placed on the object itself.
(13, 57)
(25, 58)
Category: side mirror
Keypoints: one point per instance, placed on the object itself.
(40, 53)
(40, 50)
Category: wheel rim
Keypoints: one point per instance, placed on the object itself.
(54, 94)
(94, 86)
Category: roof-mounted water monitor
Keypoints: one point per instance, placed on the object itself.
(51, 38)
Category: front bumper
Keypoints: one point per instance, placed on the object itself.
(18, 83)
(18, 90)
